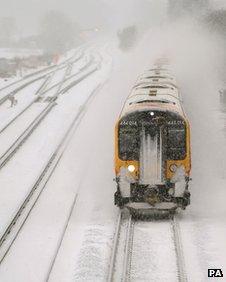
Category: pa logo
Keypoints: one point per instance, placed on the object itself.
(215, 272)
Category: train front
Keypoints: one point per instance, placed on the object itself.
(152, 159)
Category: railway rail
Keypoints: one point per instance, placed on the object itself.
(34, 124)
(17, 222)
(43, 90)
(39, 92)
(42, 71)
(25, 135)
(43, 75)
(122, 250)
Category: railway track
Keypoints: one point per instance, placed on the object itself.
(123, 257)
(43, 90)
(42, 71)
(69, 77)
(39, 92)
(182, 276)
(34, 124)
(25, 135)
(17, 222)
(43, 75)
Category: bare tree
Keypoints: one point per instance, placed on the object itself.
(179, 8)
(216, 22)
(127, 37)
(57, 32)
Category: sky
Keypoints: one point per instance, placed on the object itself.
(88, 13)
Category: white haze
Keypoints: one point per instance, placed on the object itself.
(104, 14)
(197, 59)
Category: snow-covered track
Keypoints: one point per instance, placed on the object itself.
(114, 248)
(12, 93)
(40, 75)
(34, 124)
(182, 277)
(128, 250)
(43, 89)
(25, 135)
(82, 73)
(73, 83)
(122, 246)
(43, 71)
(39, 92)
(128, 236)
(15, 225)
(61, 238)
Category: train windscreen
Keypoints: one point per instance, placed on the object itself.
(128, 143)
(171, 127)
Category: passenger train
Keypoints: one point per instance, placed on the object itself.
(152, 146)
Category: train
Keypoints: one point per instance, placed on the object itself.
(152, 146)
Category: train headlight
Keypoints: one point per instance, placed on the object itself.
(173, 167)
(131, 168)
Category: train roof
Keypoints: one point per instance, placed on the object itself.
(158, 90)
(171, 95)
(156, 80)
(157, 71)
(149, 85)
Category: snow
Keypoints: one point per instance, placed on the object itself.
(12, 132)
(157, 263)
(24, 98)
(13, 83)
(10, 53)
(65, 239)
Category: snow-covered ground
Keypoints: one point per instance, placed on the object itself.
(68, 234)
(9, 84)
(10, 53)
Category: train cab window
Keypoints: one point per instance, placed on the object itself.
(128, 143)
(176, 143)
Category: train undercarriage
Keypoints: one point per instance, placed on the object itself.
(148, 199)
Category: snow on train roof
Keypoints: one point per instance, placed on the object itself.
(164, 98)
(154, 72)
(157, 75)
(156, 86)
(148, 85)
(156, 80)
(142, 98)
(158, 93)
